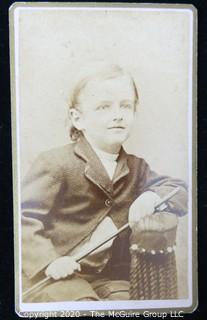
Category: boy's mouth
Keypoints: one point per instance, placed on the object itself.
(117, 127)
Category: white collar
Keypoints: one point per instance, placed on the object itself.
(105, 155)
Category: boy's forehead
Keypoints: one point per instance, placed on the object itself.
(102, 89)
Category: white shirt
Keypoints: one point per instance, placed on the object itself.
(108, 160)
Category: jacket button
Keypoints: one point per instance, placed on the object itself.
(98, 270)
(108, 202)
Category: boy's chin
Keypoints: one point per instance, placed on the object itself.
(117, 141)
(119, 137)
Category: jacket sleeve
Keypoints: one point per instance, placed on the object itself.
(162, 185)
(39, 191)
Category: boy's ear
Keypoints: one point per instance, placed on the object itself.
(76, 118)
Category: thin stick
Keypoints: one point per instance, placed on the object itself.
(167, 197)
(85, 253)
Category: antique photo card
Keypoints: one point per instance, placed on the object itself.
(104, 165)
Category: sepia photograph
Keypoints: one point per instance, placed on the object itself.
(104, 166)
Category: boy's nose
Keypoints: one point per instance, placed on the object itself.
(117, 113)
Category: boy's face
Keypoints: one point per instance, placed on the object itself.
(107, 110)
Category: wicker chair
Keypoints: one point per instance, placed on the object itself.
(153, 273)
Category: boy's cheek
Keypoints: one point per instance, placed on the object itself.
(130, 122)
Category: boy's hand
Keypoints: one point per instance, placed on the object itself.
(144, 205)
(62, 267)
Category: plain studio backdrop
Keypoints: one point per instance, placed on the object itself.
(52, 45)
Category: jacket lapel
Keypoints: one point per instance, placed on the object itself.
(95, 171)
(122, 168)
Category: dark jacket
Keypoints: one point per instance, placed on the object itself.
(67, 192)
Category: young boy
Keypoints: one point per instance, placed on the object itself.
(80, 193)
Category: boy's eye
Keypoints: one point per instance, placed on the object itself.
(103, 107)
(127, 106)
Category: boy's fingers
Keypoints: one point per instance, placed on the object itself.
(57, 272)
(131, 224)
(64, 275)
(79, 267)
(55, 276)
(142, 224)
